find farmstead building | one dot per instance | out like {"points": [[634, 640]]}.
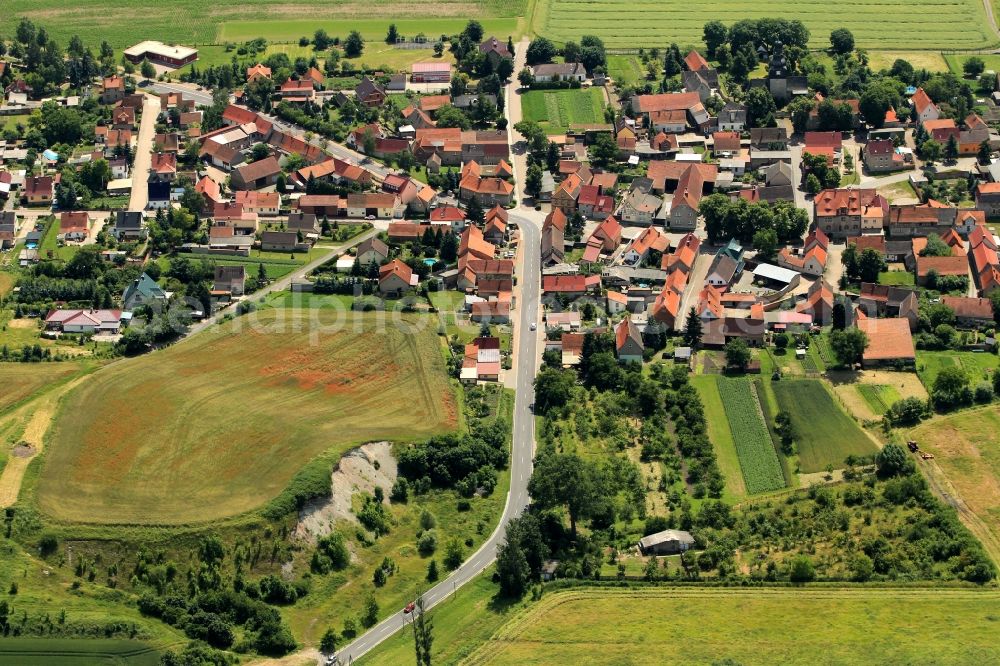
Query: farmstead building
{"points": [[161, 54]]}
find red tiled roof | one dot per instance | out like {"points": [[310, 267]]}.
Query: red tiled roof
{"points": [[888, 339]]}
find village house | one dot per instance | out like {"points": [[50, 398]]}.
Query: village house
{"points": [[988, 198], [370, 93], [229, 280], [38, 190], [307, 223], [844, 212], [87, 322], [372, 251], [628, 342], [129, 226], [726, 266], [926, 109], [395, 278], [886, 301], [569, 71], [112, 89], [143, 291], [74, 226], [283, 241], [553, 238], [481, 361]]}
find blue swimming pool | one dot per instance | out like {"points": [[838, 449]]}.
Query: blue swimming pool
{"points": [[429, 261]]}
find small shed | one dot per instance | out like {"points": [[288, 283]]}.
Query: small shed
{"points": [[549, 569], [667, 542]]}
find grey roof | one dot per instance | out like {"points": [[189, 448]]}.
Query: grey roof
{"points": [[664, 536], [766, 135], [301, 221], [127, 219], [694, 79], [724, 265], [776, 273], [559, 69]]}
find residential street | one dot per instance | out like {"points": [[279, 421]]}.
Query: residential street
{"points": [[143, 149], [526, 353]]}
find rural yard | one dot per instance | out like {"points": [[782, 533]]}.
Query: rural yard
{"points": [[219, 425]]}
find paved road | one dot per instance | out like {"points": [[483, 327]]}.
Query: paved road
{"points": [[526, 348], [143, 150]]}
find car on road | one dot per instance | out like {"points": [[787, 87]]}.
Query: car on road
{"points": [[409, 608], [534, 326]]}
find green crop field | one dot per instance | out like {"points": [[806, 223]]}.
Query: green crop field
{"points": [[847, 626], [556, 110], [825, 433], [76, 652], [758, 459], [131, 21], [879, 397], [218, 424], [719, 433], [929, 24], [977, 365]]}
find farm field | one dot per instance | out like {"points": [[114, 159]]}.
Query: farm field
{"points": [[933, 24], [826, 434], [22, 380], [880, 397], [720, 434], [758, 459], [932, 61], [967, 451], [556, 110], [977, 365], [203, 430], [206, 23], [74, 652], [743, 626]]}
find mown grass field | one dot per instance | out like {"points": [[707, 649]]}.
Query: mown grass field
{"points": [[769, 626], [720, 434], [880, 397], [23, 380], [461, 623], [556, 110], [218, 425], [76, 652], [931, 24], [897, 278], [758, 459], [966, 448], [131, 21], [957, 60], [978, 366], [825, 433], [626, 70]]}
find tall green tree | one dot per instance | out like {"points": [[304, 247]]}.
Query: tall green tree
{"points": [[692, 329], [565, 480], [423, 633]]}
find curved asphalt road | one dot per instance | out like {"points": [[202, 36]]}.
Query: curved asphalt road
{"points": [[522, 452]]}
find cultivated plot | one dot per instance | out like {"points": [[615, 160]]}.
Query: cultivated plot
{"points": [[556, 110], [750, 627], [758, 459], [933, 24], [218, 425], [825, 434]]}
